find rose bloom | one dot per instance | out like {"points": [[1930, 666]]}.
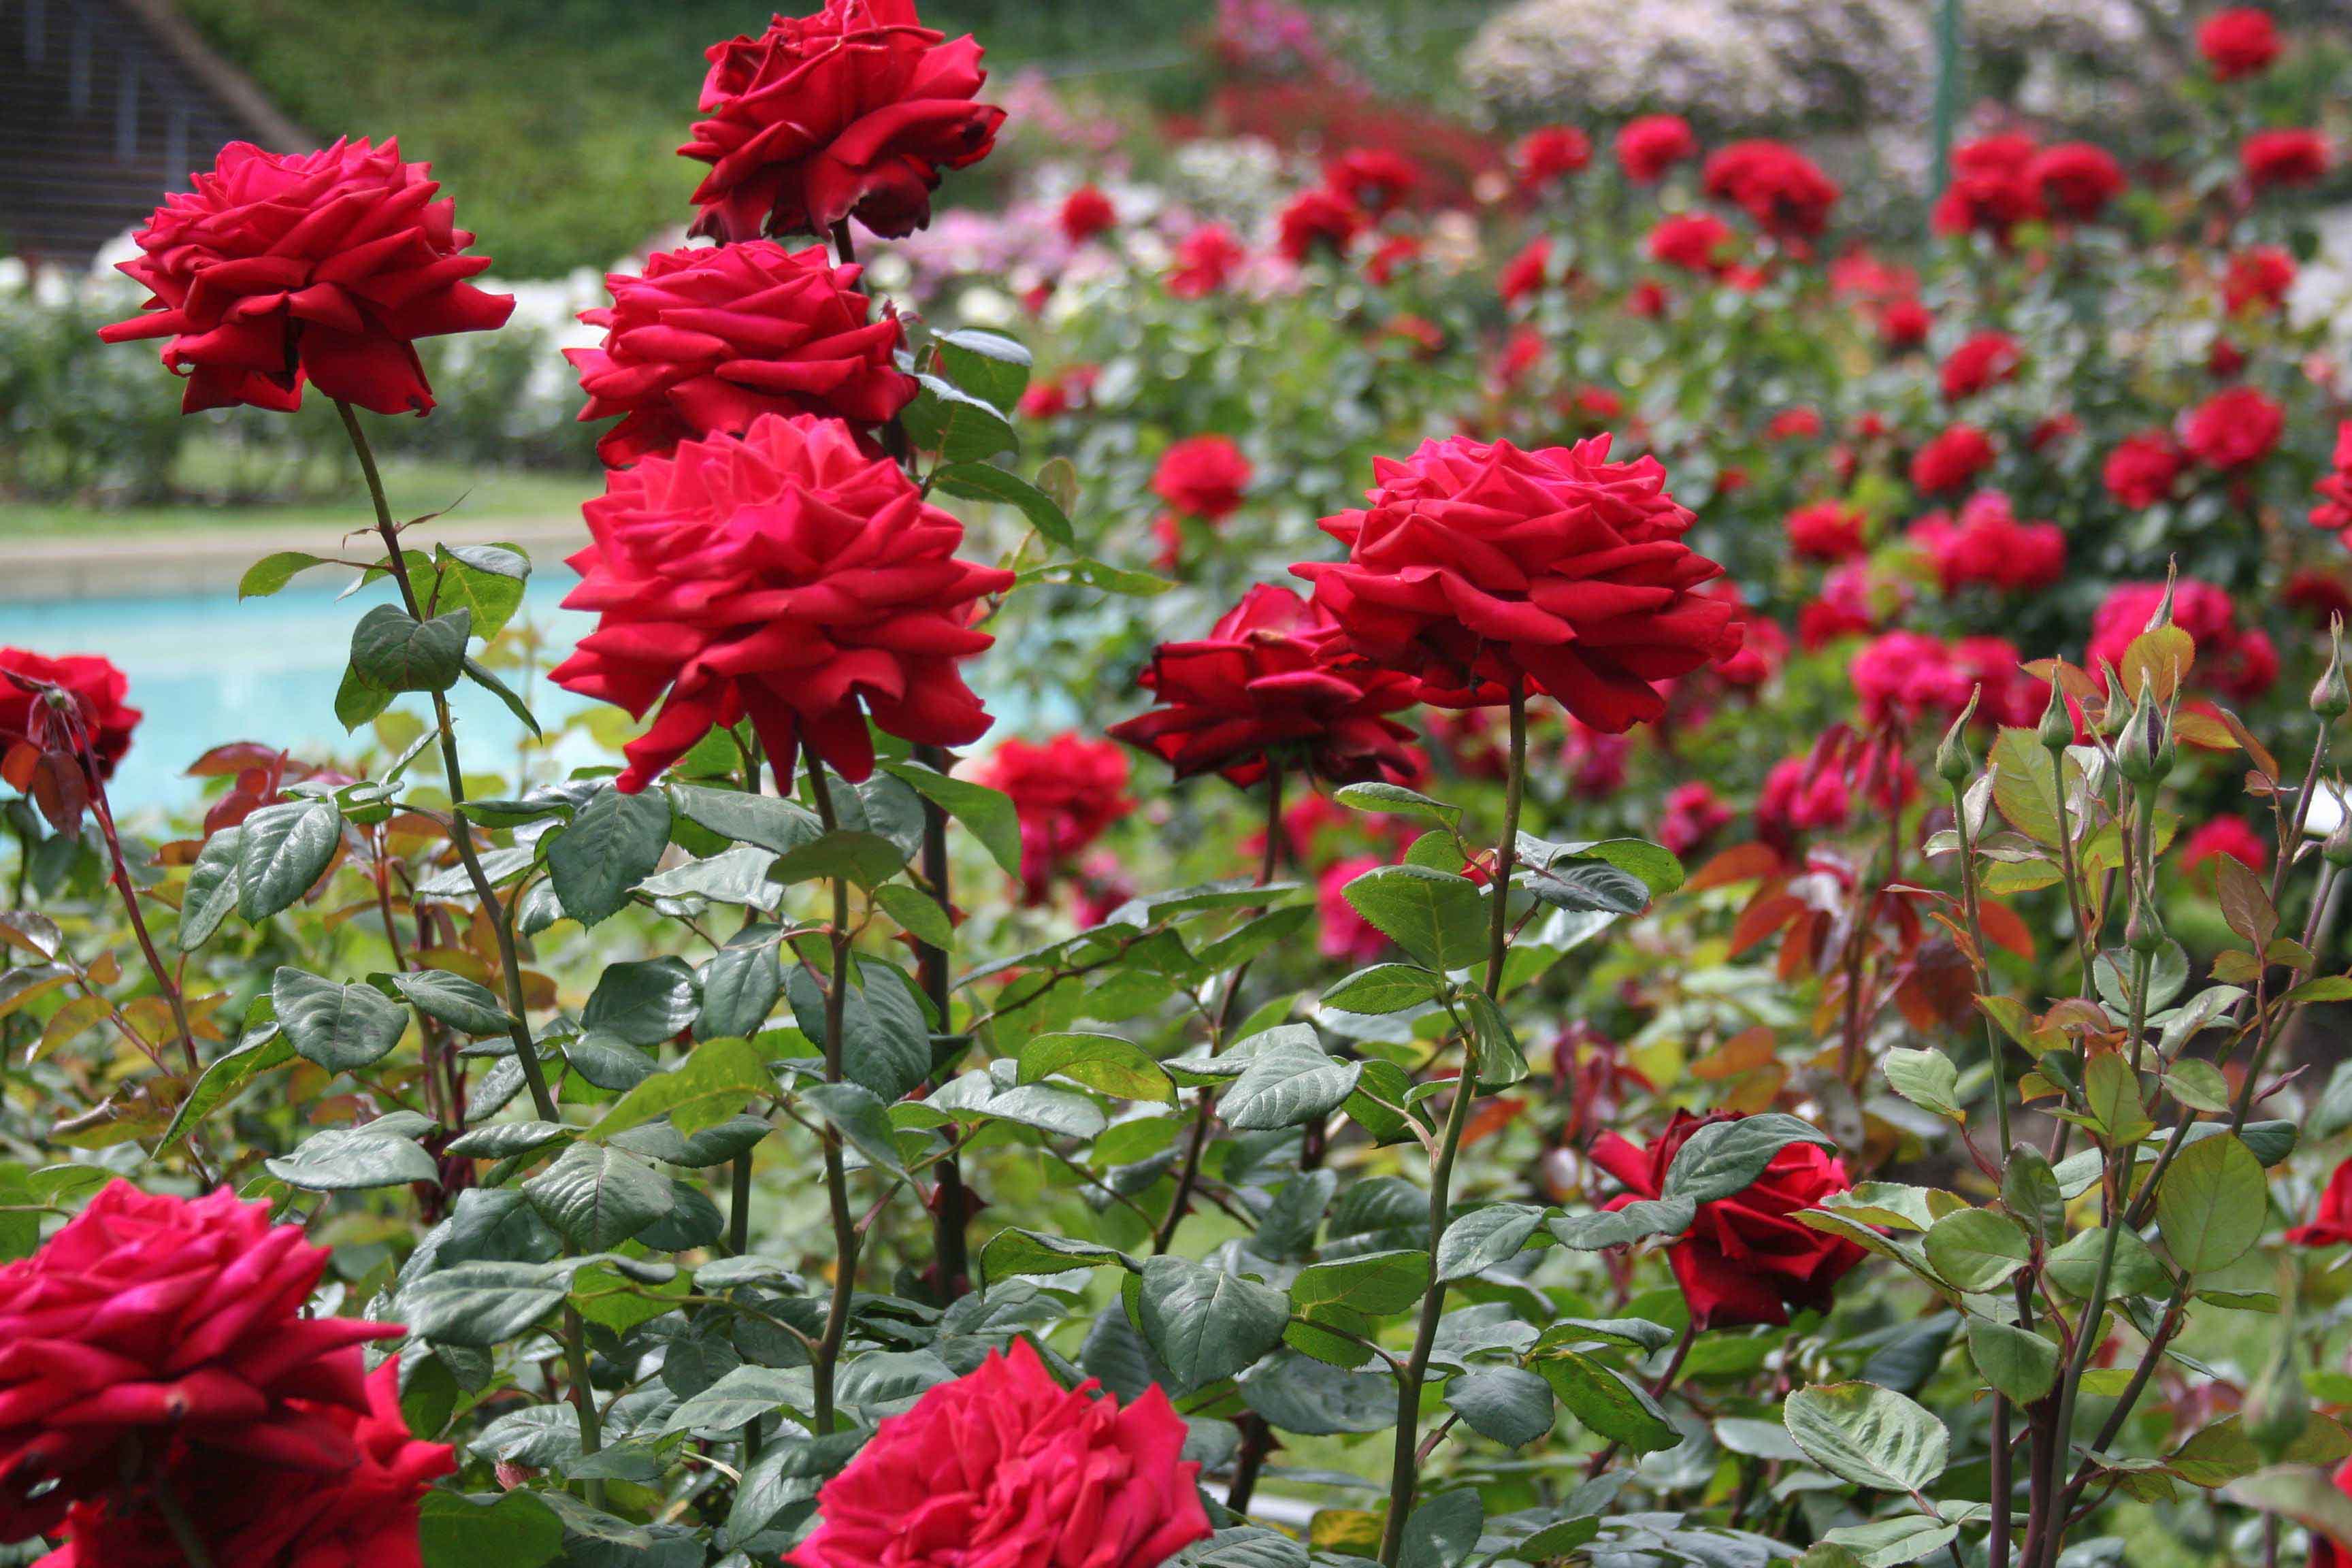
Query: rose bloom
{"points": [[1085, 213], [1347, 936], [1826, 530], [1396, 254], [2318, 596], [2076, 179], [1909, 680], [1763, 646], [1992, 189], [1745, 1260], [2325, 1553], [2238, 661], [853, 112], [1067, 791], [1647, 300], [1204, 477], [1527, 273], [1692, 814], [1782, 189], [712, 337], [1318, 219], [1697, 242], [2226, 836], [1523, 351], [1545, 154], [1206, 260], [2334, 512], [2258, 278], [2142, 468], [2331, 1227], [1989, 545], [2240, 42], [1801, 795], [2294, 157], [1481, 566], [2234, 429], [152, 1319], [782, 576], [1844, 607], [1905, 323], [102, 722], [1653, 143], [321, 267], [1594, 761], [1377, 179], [1799, 424], [1952, 460], [1985, 361], [1275, 679], [1059, 394], [1006, 1466], [362, 1515]]}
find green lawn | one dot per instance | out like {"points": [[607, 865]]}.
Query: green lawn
{"points": [[414, 489]]}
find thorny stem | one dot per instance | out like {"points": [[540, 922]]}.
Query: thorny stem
{"points": [[164, 980], [827, 1358]]}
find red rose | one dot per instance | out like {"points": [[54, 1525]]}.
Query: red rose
{"points": [[1058, 394], [1067, 792], [2318, 596], [1697, 242], [853, 112], [2225, 836], [782, 576], [100, 722], [1347, 936], [1905, 323], [1204, 477], [2325, 1553], [2142, 468], [1843, 608], [1527, 273], [1801, 795], [1777, 187], [2234, 429], [1992, 188], [2239, 42], [1397, 252], [1206, 260], [2334, 512], [1692, 814], [2258, 278], [1318, 219], [1648, 146], [323, 267], [1274, 677], [1825, 530], [1477, 566], [1085, 213], [2076, 179], [1545, 154], [2239, 662], [1744, 1259], [151, 1320], [2285, 158], [1910, 680], [2331, 1227], [1004, 1465], [1952, 460], [1984, 361], [1647, 300], [1798, 424], [363, 1515], [1989, 545], [712, 337], [1375, 178]]}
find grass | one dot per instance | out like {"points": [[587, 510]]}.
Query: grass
{"points": [[413, 487]]}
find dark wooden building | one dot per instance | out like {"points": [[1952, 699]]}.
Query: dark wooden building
{"points": [[104, 106]]}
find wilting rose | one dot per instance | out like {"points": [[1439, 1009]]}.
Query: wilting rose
{"points": [[322, 267], [2332, 1225], [2257, 279], [782, 576], [1650, 144], [1744, 1259], [2239, 662], [1477, 566], [1825, 530], [1066, 792], [97, 723], [1989, 545], [1549, 151], [1777, 187], [852, 112], [1697, 242], [1085, 213], [1992, 188], [151, 1317], [712, 337], [1275, 679], [2240, 42], [1951, 460], [1318, 220], [1006, 1466], [1206, 260], [2076, 179], [1984, 361], [2143, 467], [362, 1515], [2291, 157], [2334, 489], [1204, 477], [2234, 429]]}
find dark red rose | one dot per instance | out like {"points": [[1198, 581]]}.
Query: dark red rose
{"points": [[321, 266], [1376, 179], [2295, 157], [1275, 679], [2240, 42], [1085, 213], [2143, 467], [1004, 1465], [1992, 188], [2224, 360], [1204, 477], [1477, 566], [2258, 278], [1647, 300], [853, 112], [2076, 179], [1777, 187], [1527, 273], [95, 722], [1695, 241], [362, 1515], [2331, 1226], [1744, 1259], [1984, 361], [2234, 429], [149, 1321], [2334, 512], [712, 337], [1952, 460], [2318, 596], [1988, 546], [783, 576], [1648, 146], [1320, 219], [2239, 662], [1544, 154], [1206, 260], [1826, 530], [1067, 791]]}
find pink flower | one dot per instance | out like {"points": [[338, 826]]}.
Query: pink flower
{"points": [[1693, 814], [1993, 188], [2239, 662], [1697, 242], [2076, 179], [1206, 260], [1087, 212], [2292, 157], [1320, 219], [1777, 187], [2226, 836], [1527, 273], [1378, 179]]}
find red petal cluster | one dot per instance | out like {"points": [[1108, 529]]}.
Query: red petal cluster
{"points": [[102, 722], [1784, 191]]}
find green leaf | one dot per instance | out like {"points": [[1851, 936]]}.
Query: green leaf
{"points": [[1107, 1063], [1205, 1324], [1373, 1283], [1890, 1542], [886, 1042], [598, 1197], [1608, 1402], [1869, 1435], [983, 481], [1636, 1222], [341, 1027], [707, 1089], [1508, 1404], [510, 1529], [350, 1159], [1482, 1239], [1385, 988], [988, 813], [1014, 1251], [486, 580], [773, 825], [960, 427], [644, 1000], [272, 573], [743, 1397], [2020, 1364], [482, 675], [1439, 918], [480, 1304], [1395, 800], [212, 890], [986, 364], [1086, 573], [358, 699], [394, 651], [614, 843], [1443, 1530], [1290, 1083], [463, 1004], [1927, 1078], [917, 914], [1725, 1157], [223, 1075], [868, 860], [741, 985], [861, 1118], [281, 851], [2213, 1205], [2110, 1091], [1975, 1250]]}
